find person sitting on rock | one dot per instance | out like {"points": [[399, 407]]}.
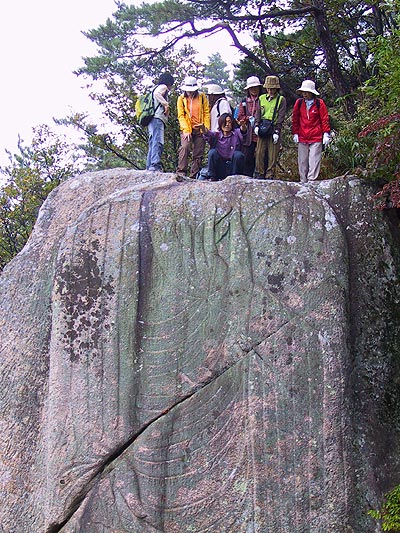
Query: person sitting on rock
{"points": [[225, 156]]}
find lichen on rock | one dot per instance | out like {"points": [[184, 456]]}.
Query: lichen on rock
{"points": [[192, 357]]}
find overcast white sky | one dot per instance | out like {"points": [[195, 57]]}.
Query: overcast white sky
{"points": [[41, 44]]}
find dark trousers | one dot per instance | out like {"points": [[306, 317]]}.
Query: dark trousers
{"points": [[219, 168], [249, 159]]}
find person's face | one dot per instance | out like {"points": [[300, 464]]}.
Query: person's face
{"points": [[307, 96], [190, 94], [227, 127], [254, 91], [271, 92]]}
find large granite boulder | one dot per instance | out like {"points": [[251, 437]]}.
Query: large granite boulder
{"points": [[200, 357]]}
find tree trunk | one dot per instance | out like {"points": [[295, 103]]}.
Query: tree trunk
{"points": [[331, 56]]}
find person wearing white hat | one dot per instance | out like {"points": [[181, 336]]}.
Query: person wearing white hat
{"points": [[218, 104], [248, 108], [193, 116], [310, 129]]}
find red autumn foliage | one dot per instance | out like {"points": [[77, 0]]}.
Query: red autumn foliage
{"points": [[379, 124], [385, 159], [389, 195]]}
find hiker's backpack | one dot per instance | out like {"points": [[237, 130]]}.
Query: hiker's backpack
{"points": [[145, 109], [235, 125], [218, 106]]}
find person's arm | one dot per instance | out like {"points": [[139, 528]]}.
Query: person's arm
{"points": [[296, 117], [280, 115], [210, 136], [242, 125], [206, 112], [242, 111], [159, 96], [324, 116], [183, 123]]}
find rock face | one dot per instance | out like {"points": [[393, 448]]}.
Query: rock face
{"points": [[199, 357]]}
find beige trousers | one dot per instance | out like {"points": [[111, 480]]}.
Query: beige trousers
{"points": [[309, 159]]}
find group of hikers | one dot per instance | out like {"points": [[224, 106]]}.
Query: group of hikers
{"points": [[246, 141]]}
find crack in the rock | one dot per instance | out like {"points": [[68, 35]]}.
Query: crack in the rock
{"points": [[145, 256], [113, 457], [253, 347], [75, 505], [219, 221]]}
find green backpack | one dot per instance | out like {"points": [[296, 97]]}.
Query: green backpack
{"points": [[145, 109]]}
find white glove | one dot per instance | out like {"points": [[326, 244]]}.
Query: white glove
{"points": [[275, 137], [256, 130], [326, 139], [295, 138]]}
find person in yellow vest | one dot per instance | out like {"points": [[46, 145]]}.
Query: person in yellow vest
{"points": [[193, 116], [268, 126]]}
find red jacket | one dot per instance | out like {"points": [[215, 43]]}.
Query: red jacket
{"points": [[310, 124]]}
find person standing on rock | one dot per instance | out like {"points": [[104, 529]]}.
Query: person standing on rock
{"points": [[157, 124], [193, 116], [310, 129], [272, 110], [248, 108], [218, 105]]}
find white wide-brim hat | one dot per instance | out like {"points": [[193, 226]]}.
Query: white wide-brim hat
{"points": [[190, 84], [213, 88], [253, 81], [308, 86]]}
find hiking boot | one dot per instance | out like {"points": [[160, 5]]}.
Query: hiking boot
{"points": [[204, 175], [181, 177]]}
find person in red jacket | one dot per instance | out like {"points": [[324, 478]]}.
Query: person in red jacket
{"points": [[310, 129]]}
